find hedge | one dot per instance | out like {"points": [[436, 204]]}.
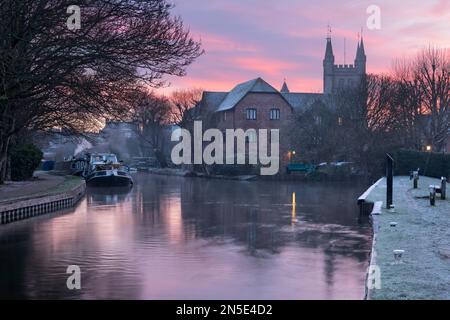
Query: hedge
{"points": [[431, 164], [235, 169], [25, 158]]}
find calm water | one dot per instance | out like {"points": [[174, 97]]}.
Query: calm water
{"points": [[188, 238]]}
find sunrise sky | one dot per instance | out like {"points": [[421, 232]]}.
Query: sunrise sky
{"points": [[244, 39]]}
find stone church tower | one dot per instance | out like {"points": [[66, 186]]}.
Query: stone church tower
{"points": [[337, 76]]}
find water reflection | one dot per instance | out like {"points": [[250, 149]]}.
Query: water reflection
{"points": [[171, 237]]}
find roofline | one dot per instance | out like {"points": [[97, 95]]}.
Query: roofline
{"points": [[277, 92]]}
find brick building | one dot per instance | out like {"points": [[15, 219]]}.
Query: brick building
{"points": [[255, 104]]}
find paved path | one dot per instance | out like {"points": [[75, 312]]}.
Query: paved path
{"points": [[19, 189], [423, 232]]}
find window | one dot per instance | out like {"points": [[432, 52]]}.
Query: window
{"points": [[251, 114], [274, 114], [224, 116], [340, 121], [318, 120]]}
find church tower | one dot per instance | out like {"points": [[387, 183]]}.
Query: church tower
{"points": [[341, 76]]}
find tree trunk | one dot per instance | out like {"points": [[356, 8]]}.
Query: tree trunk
{"points": [[161, 158], [8, 167], [4, 145]]}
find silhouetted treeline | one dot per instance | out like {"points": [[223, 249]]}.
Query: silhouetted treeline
{"points": [[408, 108], [56, 76]]}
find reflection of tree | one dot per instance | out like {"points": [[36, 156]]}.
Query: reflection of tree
{"points": [[330, 260], [12, 278], [258, 215]]}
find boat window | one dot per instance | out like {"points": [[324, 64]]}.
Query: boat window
{"points": [[111, 158], [105, 158]]}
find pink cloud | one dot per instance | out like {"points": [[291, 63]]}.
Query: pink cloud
{"points": [[286, 38], [441, 7], [216, 43], [263, 66]]}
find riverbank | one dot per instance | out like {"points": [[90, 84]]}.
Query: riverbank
{"points": [[296, 176], [422, 231], [46, 192], [187, 173]]}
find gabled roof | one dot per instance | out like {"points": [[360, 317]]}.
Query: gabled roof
{"points": [[239, 92], [302, 101], [212, 100], [221, 101]]}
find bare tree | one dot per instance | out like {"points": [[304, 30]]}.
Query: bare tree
{"points": [[422, 98], [432, 73], [183, 102], [407, 100], [357, 124], [152, 114], [51, 76], [383, 113]]}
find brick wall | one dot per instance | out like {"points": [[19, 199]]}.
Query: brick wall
{"points": [[263, 103]]}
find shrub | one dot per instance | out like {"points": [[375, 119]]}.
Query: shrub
{"points": [[235, 169], [431, 164], [25, 158], [334, 173]]}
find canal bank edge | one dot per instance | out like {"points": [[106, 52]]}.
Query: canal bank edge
{"points": [[63, 196], [362, 202]]}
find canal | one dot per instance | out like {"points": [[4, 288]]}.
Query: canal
{"points": [[192, 238]]}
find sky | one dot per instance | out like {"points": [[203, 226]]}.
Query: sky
{"points": [[285, 39]]}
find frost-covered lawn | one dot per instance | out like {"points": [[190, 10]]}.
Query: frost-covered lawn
{"points": [[423, 232]]}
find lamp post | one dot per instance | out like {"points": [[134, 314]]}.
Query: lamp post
{"points": [[389, 180]]}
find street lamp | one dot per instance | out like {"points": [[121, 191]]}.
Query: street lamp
{"points": [[428, 147]]}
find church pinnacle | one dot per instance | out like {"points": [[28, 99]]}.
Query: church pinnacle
{"points": [[284, 88], [329, 49]]}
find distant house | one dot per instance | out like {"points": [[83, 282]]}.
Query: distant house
{"points": [[124, 138], [122, 128], [121, 138], [255, 104]]}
